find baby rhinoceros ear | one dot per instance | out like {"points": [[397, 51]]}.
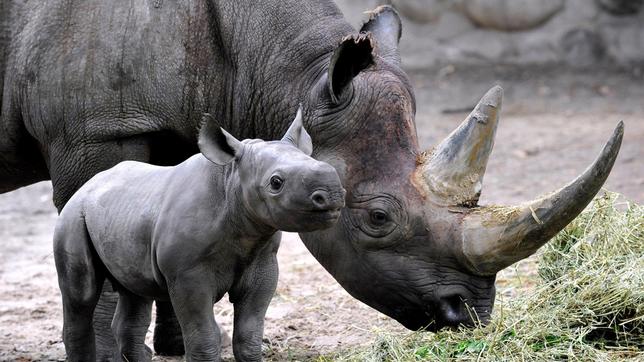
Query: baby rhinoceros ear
{"points": [[216, 144], [297, 135]]}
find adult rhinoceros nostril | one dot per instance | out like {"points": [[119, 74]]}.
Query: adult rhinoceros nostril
{"points": [[454, 311]]}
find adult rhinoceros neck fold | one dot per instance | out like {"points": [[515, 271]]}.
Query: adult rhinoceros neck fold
{"points": [[454, 171], [272, 64], [496, 237]]}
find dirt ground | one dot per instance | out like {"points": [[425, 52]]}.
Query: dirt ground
{"points": [[553, 125]]}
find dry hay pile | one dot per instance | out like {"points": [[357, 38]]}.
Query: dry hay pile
{"points": [[588, 304]]}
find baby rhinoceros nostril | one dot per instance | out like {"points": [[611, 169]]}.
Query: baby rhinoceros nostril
{"points": [[320, 199]]}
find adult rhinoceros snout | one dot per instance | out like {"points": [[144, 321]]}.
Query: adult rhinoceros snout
{"points": [[454, 312], [446, 311]]}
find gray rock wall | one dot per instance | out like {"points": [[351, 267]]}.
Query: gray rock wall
{"points": [[579, 33]]}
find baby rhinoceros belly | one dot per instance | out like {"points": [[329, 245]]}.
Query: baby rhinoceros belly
{"points": [[130, 262]]}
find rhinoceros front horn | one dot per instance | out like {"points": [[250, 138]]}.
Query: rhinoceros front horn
{"points": [[495, 237], [454, 171]]}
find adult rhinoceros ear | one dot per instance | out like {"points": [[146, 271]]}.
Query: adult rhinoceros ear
{"points": [[385, 26], [216, 144], [297, 135], [354, 54]]}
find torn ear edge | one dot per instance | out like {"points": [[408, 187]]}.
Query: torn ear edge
{"points": [[386, 27], [353, 55], [377, 14]]}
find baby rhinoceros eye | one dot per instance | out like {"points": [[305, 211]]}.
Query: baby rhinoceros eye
{"points": [[276, 183]]}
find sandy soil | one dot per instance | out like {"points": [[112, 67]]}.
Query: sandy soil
{"points": [[553, 125]]}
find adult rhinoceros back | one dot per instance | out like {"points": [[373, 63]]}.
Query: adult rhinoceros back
{"points": [[88, 84]]}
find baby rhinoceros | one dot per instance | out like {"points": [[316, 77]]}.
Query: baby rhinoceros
{"points": [[190, 233]]}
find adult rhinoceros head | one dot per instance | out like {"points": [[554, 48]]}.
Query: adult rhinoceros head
{"points": [[412, 241]]}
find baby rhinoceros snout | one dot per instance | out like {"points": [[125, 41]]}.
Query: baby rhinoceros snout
{"points": [[323, 200], [328, 193], [316, 200], [320, 200]]}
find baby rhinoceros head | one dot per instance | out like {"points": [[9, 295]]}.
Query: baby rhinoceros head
{"points": [[281, 185]]}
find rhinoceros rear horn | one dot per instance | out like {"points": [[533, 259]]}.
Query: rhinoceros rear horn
{"points": [[354, 54], [297, 135], [386, 27], [454, 170]]}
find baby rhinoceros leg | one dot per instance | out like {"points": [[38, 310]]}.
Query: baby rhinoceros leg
{"points": [[130, 324], [251, 296], [193, 304], [80, 277]]}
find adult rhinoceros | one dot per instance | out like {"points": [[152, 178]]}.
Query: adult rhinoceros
{"points": [[88, 84]]}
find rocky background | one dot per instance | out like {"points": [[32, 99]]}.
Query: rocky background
{"points": [[577, 33]]}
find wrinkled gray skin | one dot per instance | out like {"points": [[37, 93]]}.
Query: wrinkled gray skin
{"points": [[90, 84], [189, 233]]}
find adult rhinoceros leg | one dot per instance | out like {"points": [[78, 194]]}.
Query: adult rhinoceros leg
{"points": [[168, 340], [21, 162]]}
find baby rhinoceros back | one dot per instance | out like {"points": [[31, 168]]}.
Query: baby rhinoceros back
{"points": [[190, 233]]}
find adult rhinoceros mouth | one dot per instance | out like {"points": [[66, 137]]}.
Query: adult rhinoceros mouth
{"points": [[432, 320], [424, 320]]}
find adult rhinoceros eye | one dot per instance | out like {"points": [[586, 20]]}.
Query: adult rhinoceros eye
{"points": [[378, 217], [276, 183]]}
